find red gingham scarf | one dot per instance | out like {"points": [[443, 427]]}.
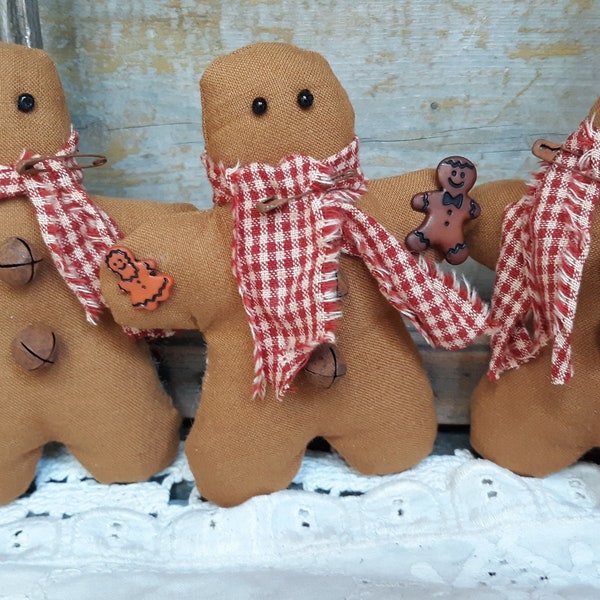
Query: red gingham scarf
{"points": [[286, 262], [77, 232], [545, 242]]}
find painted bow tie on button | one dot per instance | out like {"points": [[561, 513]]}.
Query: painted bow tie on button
{"points": [[285, 260], [449, 200]]}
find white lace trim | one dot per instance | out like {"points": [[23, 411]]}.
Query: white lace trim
{"points": [[452, 520]]}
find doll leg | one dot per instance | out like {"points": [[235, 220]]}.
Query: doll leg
{"points": [[120, 424], [22, 438], [524, 423], [18, 462], [382, 417], [240, 447], [458, 254], [393, 424], [126, 444], [255, 452], [391, 445]]}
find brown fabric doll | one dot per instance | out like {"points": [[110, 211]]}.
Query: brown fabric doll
{"points": [[282, 157], [537, 412], [68, 373]]}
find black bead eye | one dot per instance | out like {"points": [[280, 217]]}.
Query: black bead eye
{"points": [[259, 106], [25, 103], [305, 99]]}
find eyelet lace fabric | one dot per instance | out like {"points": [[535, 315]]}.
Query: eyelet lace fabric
{"points": [[451, 523]]}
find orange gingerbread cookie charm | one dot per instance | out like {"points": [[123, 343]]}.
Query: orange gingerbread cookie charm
{"points": [[139, 278], [447, 211]]}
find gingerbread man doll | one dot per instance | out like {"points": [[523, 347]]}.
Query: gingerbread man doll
{"points": [[292, 212], [68, 373], [536, 412]]}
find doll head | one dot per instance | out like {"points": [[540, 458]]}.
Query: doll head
{"points": [[256, 114], [121, 264], [33, 108]]}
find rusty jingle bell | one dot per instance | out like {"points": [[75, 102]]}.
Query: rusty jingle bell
{"points": [[34, 347], [18, 263]]}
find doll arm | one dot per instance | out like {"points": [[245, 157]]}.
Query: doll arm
{"points": [[389, 200], [194, 248], [483, 235], [129, 214], [420, 202], [161, 242], [151, 264], [474, 209]]}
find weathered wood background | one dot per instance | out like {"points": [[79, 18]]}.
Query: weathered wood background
{"points": [[427, 79]]}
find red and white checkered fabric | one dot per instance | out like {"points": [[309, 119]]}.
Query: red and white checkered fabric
{"points": [[286, 262], [76, 231], [445, 313], [545, 242]]}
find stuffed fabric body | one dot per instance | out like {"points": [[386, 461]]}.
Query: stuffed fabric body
{"points": [[522, 420], [99, 394], [260, 104]]}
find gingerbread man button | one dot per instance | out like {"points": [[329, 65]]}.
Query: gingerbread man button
{"points": [[139, 278], [447, 211]]}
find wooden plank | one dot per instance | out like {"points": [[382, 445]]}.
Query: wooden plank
{"points": [[453, 377], [20, 23], [181, 362]]}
